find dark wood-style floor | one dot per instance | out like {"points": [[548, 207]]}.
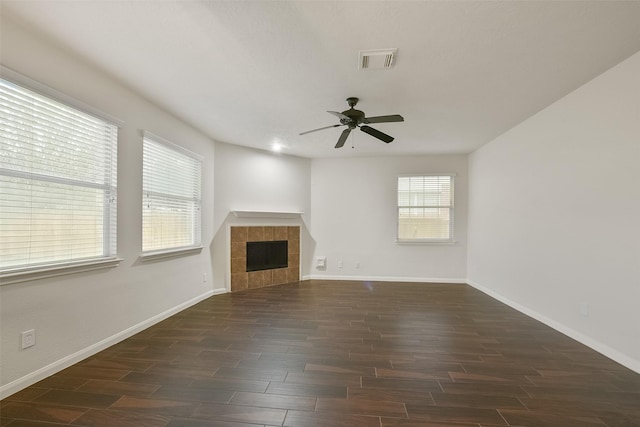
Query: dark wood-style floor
{"points": [[336, 354]]}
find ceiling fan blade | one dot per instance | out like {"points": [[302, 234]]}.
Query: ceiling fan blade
{"points": [[314, 130], [343, 138], [384, 119], [339, 115], [376, 134]]}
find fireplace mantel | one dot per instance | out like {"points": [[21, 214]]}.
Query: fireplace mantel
{"points": [[266, 214]]}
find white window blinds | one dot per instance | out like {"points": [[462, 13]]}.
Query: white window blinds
{"points": [[171, 200], [57, 182], [425, 208]]}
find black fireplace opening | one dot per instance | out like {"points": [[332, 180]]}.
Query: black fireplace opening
{"points": [[267, 255]]}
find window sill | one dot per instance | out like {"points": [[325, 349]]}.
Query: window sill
{"points": [[426, 242], [150, 256], [42, 272]]}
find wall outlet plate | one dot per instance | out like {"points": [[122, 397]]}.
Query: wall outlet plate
{"points": [[584, 309], [28, 338]]}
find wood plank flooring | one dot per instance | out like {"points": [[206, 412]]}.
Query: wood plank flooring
{"points": [[328, 353]]}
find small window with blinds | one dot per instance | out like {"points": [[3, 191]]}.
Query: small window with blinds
{"points": [[425, 208], [57, 183], [171, 199]]}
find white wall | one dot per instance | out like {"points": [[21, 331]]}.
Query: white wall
{"points": [[354, 219], [554, 208], [253, 180], [555, 214], [72, 314]]}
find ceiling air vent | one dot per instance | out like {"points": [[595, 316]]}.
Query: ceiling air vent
{"points": [[377, 59]]}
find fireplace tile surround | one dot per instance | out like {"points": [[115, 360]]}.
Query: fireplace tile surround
{"points": [[240, 235]]}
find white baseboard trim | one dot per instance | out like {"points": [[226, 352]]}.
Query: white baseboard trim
{"points": [[601, 348], [46, 371], [386, 279]]}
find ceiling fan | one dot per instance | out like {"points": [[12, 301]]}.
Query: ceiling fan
{"points": [[353, 118]]}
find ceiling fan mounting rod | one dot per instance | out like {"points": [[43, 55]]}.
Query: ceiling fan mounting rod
{"points": [[352, 101]]}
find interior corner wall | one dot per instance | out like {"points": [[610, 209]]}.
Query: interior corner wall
{"points": [[554, 215], [256, 180], [354, 220], [77, 314]]}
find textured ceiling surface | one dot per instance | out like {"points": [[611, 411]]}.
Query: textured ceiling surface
{"points": [[257, 72]]}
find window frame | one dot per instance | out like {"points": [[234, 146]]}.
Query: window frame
{"points": [[451, 207], [167, 252], [109, 258]]}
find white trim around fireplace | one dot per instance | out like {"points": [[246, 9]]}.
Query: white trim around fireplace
{"points": [[266, 214]]}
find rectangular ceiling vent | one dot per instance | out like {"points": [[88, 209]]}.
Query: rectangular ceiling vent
{"points": [[377, 59]]}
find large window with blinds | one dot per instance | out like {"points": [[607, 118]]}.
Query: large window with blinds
{"points": [[425, 208], [57, 183], [171, 199]]}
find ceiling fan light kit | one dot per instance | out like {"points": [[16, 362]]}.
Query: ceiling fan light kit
{"points": [[353, 118]]}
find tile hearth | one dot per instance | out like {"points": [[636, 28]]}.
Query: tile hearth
{"points": [[241, 279]]}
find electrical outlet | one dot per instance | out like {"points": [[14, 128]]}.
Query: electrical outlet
{"points": [[584, 309], [357, 265], [28, 338], [204, 277], [340, 264]]}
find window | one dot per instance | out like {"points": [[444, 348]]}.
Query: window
{"points": [[57, 183], [171, 200], [425, 208]]}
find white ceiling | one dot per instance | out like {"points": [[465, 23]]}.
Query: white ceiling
{"points": [[254, 72]]}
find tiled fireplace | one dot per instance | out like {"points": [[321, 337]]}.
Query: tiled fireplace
{"points": [[241, 279]]}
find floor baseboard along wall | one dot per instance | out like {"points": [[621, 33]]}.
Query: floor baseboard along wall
{"points": [[65, 362], [601, 348], [387, 279]]}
